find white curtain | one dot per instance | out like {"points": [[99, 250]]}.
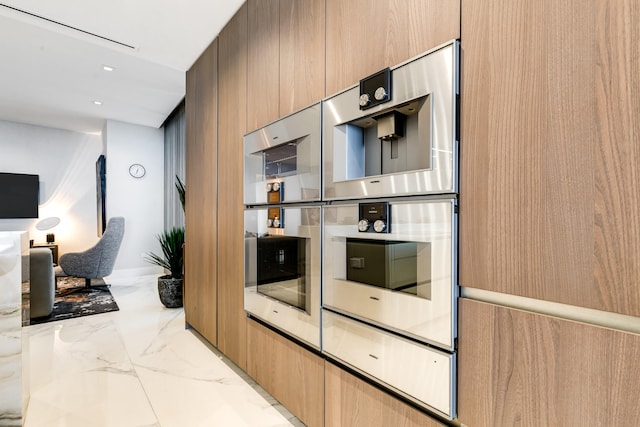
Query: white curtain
{"points": [[174, 165]]}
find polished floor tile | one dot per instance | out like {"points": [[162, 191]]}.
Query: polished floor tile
{"points": [[137, 367]]}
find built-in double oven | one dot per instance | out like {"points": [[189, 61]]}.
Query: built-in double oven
{"points": [[351, 227], [282, 223]]}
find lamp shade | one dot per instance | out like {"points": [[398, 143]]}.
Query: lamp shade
{"points": [[47, 223]]}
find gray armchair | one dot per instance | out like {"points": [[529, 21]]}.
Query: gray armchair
{"points": [[97, 261]]}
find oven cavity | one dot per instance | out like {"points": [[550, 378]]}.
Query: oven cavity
{"points": [[392, 141]]}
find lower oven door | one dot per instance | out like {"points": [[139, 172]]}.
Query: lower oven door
{"points": [[282, 270], [403, 280]]}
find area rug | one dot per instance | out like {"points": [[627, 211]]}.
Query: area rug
{"points": [[73, 299]]}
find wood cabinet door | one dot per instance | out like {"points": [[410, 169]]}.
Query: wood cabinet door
{"points": [[232, 113], [550, 182], [200, 211], [365, 36], [263, 68], [287, 371], [301, 54], [521, 368], [350, 401]]}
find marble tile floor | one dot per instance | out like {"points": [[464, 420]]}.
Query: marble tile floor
{"points": [[137, 367]]}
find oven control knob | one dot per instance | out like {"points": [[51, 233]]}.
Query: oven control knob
{"points": [[269, 187], [269, 222], [276, 222], [363, 225], [275, 186], [379, 226], [365, 99], [380, 93]]}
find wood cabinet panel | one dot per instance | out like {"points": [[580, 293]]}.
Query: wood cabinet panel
{"points": [[290, 373], [301, 54], [550, 186], [521, 368], [349, 401], [232, 113], [201, 207], [365, 36], [263, 66]]}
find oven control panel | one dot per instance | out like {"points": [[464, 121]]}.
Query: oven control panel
{"points": [[275, 192], [275, 218], [375, 89], [374, 217]]}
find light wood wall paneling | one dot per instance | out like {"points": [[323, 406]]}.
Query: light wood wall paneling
{"points": [[290, 373], [349, 401], [521, 368], [200, 219], [232, 113], [365, 36], [550, 183], [301, 54], [263, 66]]}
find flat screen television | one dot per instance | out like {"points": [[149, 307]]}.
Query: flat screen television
{"points": [[19, 195]]}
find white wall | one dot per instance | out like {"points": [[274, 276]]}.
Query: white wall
{"points": [[65, 161], [140, 201]]}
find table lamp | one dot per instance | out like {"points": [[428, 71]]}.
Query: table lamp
{"points": [[47, 224]]}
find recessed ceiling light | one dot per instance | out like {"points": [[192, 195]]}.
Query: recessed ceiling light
{"points": [[108, 68], [97, 102]]}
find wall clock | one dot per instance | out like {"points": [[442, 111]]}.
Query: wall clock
{"points": [[136, 170]]}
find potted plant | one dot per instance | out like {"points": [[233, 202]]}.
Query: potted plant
{"points": [[170, 285]]}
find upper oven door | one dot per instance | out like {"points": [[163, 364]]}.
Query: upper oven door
{"points": [[406, 146], [282, 270], [286, 152], [403, 280]]}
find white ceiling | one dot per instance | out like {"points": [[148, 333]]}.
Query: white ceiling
{"points": [[50, 74]]}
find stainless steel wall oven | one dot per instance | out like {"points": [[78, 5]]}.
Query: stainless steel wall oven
{"points": [[282, 270], [402, 280], [282, 160]]}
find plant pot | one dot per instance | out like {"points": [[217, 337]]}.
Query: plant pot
{"points": [[170, 291]]}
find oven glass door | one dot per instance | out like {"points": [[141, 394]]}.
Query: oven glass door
{"points": [[282, 270], [404, 280]]}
